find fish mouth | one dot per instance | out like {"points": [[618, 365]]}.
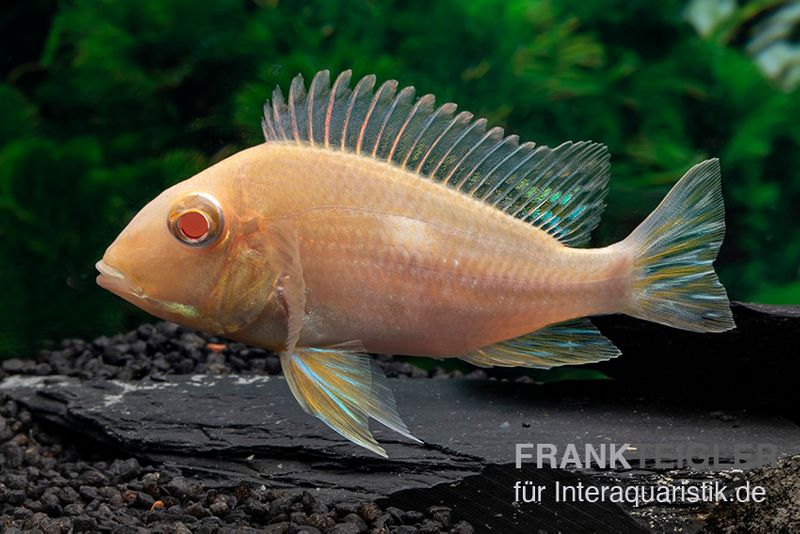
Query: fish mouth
{"points": [[112, 279]]}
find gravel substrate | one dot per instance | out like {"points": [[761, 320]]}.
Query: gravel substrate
{"points": [[779, 512], [154, 350], [53, 483]]}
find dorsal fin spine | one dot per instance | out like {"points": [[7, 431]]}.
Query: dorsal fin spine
{"points": [[555, 157], [583, 156], [266, 123], [588, 155], [378, 116], [329, 109], [443, 109], [499, 181], [296, 91], [407, 92], [342, 81], [487, 135], [466, 155], [552, 160], [423, 101], [477, 124], [512, 139], [277, 102], [312, 92], [464, 116], [369, 83], [510, 187], [385, 86]]}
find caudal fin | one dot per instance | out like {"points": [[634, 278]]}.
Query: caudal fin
{"points": [[674, 282]]}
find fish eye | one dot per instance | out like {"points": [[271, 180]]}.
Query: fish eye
{"points": [[196, 220], [193, 225]]}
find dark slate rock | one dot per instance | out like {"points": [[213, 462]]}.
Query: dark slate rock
{"points": [[752, 366], [212, 425], [196, 413]]}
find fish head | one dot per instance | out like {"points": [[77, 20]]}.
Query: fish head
{"points": [[192, 256]]}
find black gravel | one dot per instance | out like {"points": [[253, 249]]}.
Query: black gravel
{"points": [[779, 512], [154, 350], [54, 483]]}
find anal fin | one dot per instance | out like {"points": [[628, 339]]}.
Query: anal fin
{"points": [[570, 343], [343, 389]]}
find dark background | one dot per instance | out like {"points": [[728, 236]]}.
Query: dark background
{"points": [[103, 104]]}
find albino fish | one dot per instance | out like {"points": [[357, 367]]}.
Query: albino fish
{"points": [[374, 222]]}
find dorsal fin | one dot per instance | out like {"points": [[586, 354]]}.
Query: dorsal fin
{"points": [[560, 190]]}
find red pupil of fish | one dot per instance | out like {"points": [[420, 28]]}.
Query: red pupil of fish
{"points": [[193, 225]]}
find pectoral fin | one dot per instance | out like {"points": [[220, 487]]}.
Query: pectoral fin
{"points": [[343, 389], [290, 288], [569, 343], [340, 386]]}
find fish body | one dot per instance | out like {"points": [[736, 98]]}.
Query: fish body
{"points": [[412, 267], [370, 222]]}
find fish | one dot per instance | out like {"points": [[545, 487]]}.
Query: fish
{"points": [[374, 222]]}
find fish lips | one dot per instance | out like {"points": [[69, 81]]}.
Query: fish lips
{"points": [[115, 281]]}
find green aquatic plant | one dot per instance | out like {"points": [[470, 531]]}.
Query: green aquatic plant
{"points": [[103, 104]]}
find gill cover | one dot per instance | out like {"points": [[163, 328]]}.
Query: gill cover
{"points": [[261, 276]]}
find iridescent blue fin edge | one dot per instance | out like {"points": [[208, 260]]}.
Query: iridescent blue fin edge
{"points": [[570, 343]]}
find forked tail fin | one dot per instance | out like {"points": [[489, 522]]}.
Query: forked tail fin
{"points": [[674, 282]]}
